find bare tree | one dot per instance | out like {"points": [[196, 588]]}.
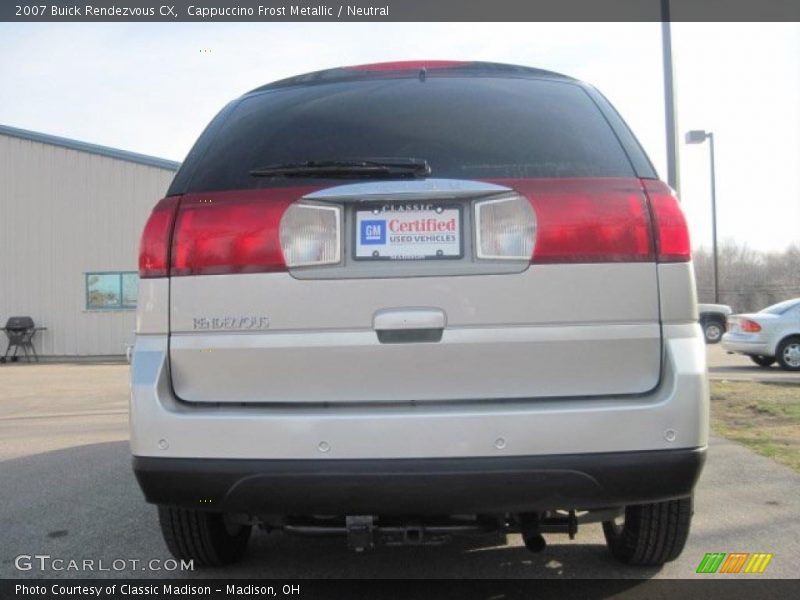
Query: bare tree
{"points": [[749, 279]]}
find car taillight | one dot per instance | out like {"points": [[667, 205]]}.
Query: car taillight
{"points": [[310, 234], [749, 326], [672, 234], [505, 228], [244, 232], [588, 220], [154, 243], [227, 233]]}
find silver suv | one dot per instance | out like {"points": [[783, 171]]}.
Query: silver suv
{"points": [[397, 302]]}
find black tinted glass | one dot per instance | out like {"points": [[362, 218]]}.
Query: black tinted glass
{"points": [[465, 127]]}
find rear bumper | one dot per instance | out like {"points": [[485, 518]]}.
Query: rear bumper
{"points": [[440, 486], [746, 344]]}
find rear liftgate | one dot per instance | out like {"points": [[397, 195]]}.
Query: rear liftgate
{"points": [[414, 291]]}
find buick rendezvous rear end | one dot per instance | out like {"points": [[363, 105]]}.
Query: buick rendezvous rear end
{"points": [[401, 301]]}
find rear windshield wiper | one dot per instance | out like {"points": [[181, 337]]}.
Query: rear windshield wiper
{"points": [[354, 168]]}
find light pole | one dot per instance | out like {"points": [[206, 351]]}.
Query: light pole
{"points": [[673, 171], [698, 136]]}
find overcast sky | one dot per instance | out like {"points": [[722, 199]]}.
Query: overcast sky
{"points": [[151, 88]]}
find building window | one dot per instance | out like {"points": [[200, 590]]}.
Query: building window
{"points": [[111, 290]]}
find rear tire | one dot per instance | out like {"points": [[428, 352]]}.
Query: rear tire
{"points": [[207, 538], [788, 354], [713, 330], [651, 534], [762, 361]]}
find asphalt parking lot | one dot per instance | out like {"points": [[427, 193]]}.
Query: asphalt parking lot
{"points": [[737, 367], [68, 491]]}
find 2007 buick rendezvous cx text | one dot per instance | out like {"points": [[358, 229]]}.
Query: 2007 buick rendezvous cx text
{"points": [[476, 312]]}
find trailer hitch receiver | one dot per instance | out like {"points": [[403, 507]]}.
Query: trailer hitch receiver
{"points": [[360, 532]]}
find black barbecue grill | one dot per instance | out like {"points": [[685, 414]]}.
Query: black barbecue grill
{"points": [[20, 332]]}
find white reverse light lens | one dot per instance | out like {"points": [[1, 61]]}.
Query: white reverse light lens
{"points": [[311, 235], [505, 228]]}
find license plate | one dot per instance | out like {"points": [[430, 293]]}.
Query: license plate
{"points": [[408, 232]]}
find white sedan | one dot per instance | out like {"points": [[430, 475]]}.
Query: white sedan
{"points": [[770, 335]]}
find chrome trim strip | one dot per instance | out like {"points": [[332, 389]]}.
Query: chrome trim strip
{"points": [[428, 188]]}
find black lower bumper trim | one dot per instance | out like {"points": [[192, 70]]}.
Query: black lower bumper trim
{"points": [[433, 486]]}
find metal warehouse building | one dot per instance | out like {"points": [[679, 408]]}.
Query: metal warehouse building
{"points": [[70, 218]]}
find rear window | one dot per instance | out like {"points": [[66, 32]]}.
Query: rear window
{"points": [[465, 127], [781, 307]]}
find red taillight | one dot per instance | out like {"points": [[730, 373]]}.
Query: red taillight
{"points": [[749, 326], [588, 220], [154, 244], [231, 232], [605, 220], [672, 233], [408, 65], [577, 220]]}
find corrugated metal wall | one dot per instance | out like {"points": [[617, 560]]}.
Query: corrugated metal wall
{"points": [[63, 213]]}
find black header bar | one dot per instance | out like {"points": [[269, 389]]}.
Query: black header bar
{"points": [[397, 10], [403, 589]]}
